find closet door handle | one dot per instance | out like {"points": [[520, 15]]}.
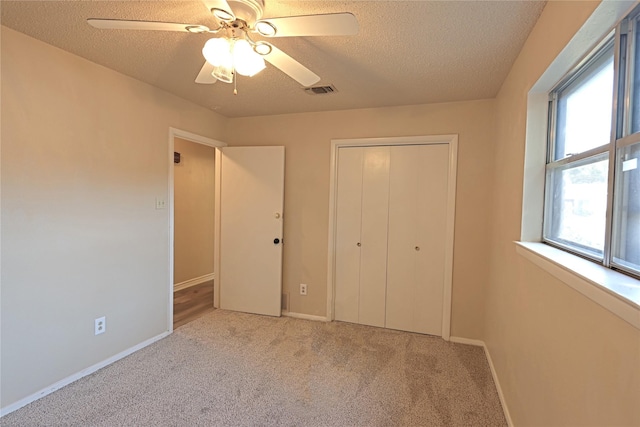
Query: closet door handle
{"points": [[358, 244], [417, 248]]}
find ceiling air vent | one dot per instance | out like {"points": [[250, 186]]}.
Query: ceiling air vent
{"points": [[320, 90]]}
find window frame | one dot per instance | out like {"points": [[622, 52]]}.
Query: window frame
{"points": [[623, 41]]}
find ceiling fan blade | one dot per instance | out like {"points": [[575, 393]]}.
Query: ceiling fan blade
{"points": [[204, 76], [291, 67], [332, 24], [220, 5], [119, 24]]}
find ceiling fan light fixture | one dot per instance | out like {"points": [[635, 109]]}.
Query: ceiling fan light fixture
{"points": [[266, 29], [245, 61], [262, 48], [223, 15]]}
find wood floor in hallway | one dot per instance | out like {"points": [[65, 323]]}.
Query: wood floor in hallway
{"points": [[192, 303]]}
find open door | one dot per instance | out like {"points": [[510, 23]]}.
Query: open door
{"points": [[251, 204]]}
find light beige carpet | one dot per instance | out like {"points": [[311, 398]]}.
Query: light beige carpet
{"points": [[238, 369]]}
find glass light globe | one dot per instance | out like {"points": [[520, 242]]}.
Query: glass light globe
{"points": [[245, 60], [217, 51], [224, 73]]}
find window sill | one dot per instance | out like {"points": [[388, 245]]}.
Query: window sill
{"points": [[618, 293]]}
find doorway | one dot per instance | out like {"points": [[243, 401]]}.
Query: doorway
{"points": [[254, 199], [193, 209]]}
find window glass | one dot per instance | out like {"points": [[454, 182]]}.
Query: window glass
{"points": [[576, 205], [626, 230], [584, 109]]}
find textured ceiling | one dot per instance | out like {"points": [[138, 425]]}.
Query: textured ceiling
{"points": [[407, 52]]}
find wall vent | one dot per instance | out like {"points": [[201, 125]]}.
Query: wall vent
{"points": [[320, 90]]}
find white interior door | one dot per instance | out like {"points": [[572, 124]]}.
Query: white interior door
{"points": [[251, 223]]}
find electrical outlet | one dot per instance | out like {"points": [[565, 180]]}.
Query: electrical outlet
{"points": [[303, 289], [161, 203], [100, 325]]}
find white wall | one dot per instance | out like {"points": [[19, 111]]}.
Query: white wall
{"points": [[561, 358], [307, 138], [84, 156]]}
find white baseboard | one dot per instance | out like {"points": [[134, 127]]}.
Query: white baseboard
{"points": [[505, 408], [468, 341], [90, 370], [305, 316], [193, 282], [482, 344]]}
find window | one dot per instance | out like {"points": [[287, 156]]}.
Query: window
{"points": [[592, 185]]}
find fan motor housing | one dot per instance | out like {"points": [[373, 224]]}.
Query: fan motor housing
{"points": [[248, 10]]}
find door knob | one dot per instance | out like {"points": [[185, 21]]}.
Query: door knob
{"points": [[276, 241], [417, 248], [277, 215], [358, 244]]}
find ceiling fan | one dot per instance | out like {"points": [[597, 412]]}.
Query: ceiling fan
{"points": [[232, 50]]}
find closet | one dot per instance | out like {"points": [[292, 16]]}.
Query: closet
{"points": [[390, 242]]}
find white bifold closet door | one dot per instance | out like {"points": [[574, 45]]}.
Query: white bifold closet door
{"points": [[417, 240], [361, 244], [390, 236]]}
